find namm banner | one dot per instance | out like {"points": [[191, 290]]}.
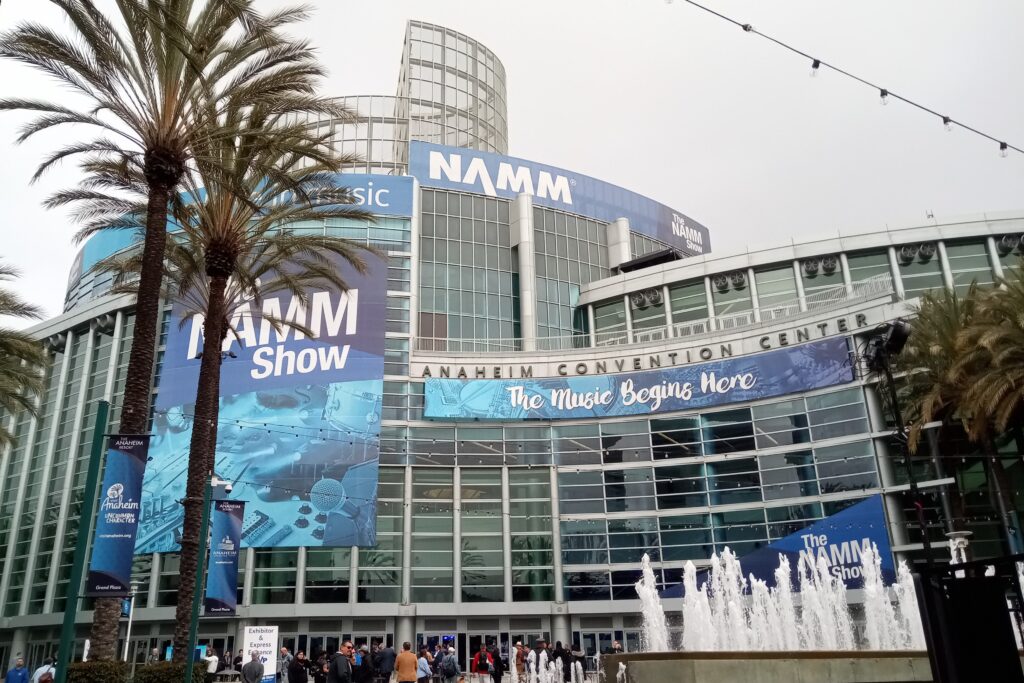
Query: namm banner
{"points": [[787, 370], [113, 545], [299, 426], [222, 572]]}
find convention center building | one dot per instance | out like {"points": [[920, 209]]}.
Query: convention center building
{"points": [[573, 376]]}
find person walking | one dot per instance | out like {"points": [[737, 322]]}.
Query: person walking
{"points": [[519, 663], [319, 669], [386, 663], [497, 663], [286, 659], [450, 670], [212, 662], [340, 670], [19, 674], [252, 672], [46, 670], [153, 657], [298, 668], [482, 664], [579, 663], [423, 669], [406, 665], [363, 672]]}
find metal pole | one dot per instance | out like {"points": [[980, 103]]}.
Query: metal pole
{"points": [[128, 631], [85, 521], [904, 451], [197, 594]]}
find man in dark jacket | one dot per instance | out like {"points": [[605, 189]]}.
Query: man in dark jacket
{"points": [[340, 670], [499, 666], [363, 672], [252, 672], [385, 662]]}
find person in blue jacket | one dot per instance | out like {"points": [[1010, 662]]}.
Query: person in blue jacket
{"points": [[19, 674]]}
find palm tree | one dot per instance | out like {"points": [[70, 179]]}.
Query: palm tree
{"points": [[230, 251], [22, 358], [150, 81], [995, 387]]}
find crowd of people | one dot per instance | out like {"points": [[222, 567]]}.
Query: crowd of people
{"points": [[380, 663]]}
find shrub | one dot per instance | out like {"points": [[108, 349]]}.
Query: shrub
{"points": [[98, 672], [167, 672]]}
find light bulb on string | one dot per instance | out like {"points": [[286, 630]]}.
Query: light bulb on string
{"points": [[884, 96], [947, 123], [814, 67], [1004, 150]]}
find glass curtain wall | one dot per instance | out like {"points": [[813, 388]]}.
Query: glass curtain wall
{"points": [[468, 270], [570, 252]]}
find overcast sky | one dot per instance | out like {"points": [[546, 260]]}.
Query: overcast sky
{"points": [[673, 103]]}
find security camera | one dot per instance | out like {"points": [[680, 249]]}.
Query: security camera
{"points": [[228, 487]]}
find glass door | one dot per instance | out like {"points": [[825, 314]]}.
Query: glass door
{"points": [[474, 641]]}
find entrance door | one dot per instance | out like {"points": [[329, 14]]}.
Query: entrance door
{"points": [[474, 641], [322, 645]]}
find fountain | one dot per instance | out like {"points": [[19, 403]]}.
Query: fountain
{"points": [[732, 613]]}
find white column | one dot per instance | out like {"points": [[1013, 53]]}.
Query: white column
{"points": [[556, 537], [300, 576], [883, 460], [457, 535], [668, 311], [153, 590], [844, 263], [414, 267], [754, 303], [710, 300], [44, 483], [897, 281], [947, 272], [618, 243], [353, 576], [629, 319], [590, 322], [993, 256], [523, 238], [506, 534], [800, 294], [69, 470], [250, 575], [407, 537]]}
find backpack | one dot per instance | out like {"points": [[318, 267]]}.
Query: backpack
{"points": [[450, 666], [46, 676]]}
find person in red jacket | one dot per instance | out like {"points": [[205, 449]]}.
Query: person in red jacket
{"points": [[482, 664]]}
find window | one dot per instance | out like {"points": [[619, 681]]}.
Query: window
{"points": [[839, 413], [689, 302], [776, 287], [848, 467], [969, 262]]}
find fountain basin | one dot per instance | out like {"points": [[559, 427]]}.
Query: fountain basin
{"points": [[839, 666]]}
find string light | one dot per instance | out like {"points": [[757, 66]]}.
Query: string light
{"points": [[885, 94], [947, 123]]}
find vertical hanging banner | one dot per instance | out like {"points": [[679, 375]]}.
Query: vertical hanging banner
{"points": [[222, 574], [113, 545]]}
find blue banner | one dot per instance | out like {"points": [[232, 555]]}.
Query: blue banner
{"points": [[839, 539], [456, 168], [113, 545], [222, 571], [788, 370], [299, 426]]}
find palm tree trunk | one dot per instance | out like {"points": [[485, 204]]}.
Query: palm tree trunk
{"points": [[202, 450], [138, 384]]}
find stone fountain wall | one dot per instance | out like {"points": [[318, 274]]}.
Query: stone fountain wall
{"points": [[770, 667]]}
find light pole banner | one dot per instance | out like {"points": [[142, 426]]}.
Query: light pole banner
{"points": [[263, 641], [225, 539], [113, 545]]}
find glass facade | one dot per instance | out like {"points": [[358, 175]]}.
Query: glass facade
{"points": [[454, 89], [468, 269]]}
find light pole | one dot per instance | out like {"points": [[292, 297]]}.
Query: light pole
{"points": [[197, 590], [131, 616], [880, 350]]}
